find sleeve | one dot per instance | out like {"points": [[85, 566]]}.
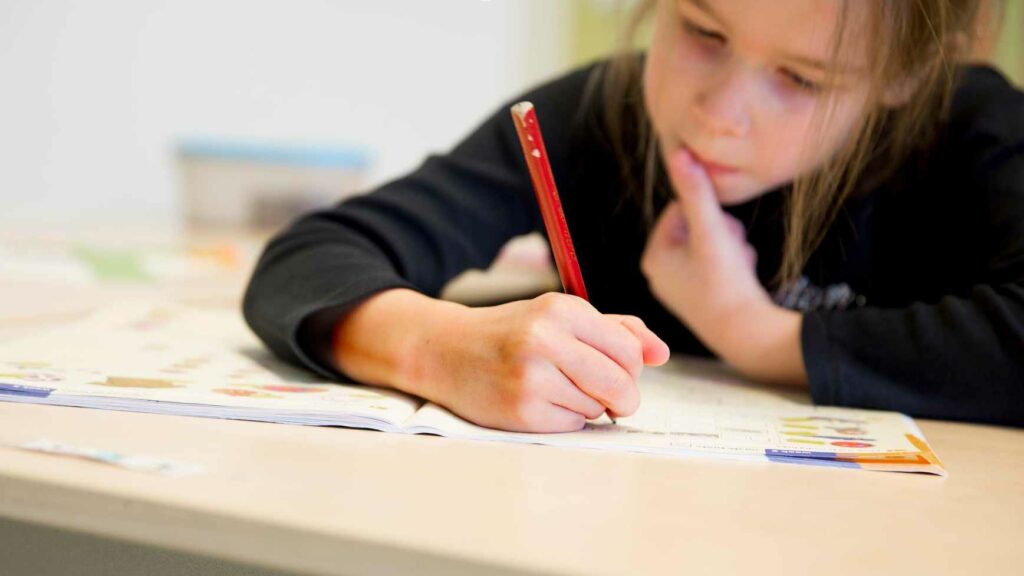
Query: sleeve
{"points": [[961, 357], [453, 213]]}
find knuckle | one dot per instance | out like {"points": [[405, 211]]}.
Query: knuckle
{"points": [[531, 339], [575, 422], [635, 350], [548, 304], [637, 322], [526, 342], [594, 411], [619, 392], [558, 305], [630, 350], [634, 365]]}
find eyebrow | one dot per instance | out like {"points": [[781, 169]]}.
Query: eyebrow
{"points": [[706, 8], [805, 61]]}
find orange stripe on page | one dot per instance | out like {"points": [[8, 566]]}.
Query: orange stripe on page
{"points": [[925, 449]]}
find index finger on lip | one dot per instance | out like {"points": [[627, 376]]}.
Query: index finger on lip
{"points": [[695, 192]]}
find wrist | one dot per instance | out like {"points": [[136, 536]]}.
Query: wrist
{"points": [[762, 340], [386, 339], [427, 326]]}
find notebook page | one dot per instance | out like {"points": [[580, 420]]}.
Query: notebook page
{"points": [[179, 360]]}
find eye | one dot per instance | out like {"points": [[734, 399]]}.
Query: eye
{"points": [[703, 33], [800, 82]]}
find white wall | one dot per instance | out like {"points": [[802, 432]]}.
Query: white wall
{"points": [[93, 93]]}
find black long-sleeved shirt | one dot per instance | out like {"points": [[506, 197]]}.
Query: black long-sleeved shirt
{"points": [[914, 301]]}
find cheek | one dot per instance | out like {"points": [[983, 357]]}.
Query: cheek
{"points": [[783, 142], [659, 94], [651, 88], [797, 145], [672, 76]]}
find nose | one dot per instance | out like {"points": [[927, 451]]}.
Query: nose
{"points": [[722, 104]]}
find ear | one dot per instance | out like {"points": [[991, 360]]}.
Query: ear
{"points": [[900, 92]]}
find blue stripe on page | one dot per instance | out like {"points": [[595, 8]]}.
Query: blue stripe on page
{"points": [[813, 461], [851, 438], [22, 390], [770, 452]]}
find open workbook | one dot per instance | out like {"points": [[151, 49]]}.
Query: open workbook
{"points": [[168, 359]]}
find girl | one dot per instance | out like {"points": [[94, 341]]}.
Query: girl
{"points": [[811, 190]]}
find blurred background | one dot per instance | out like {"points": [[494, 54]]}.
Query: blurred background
{"points": [[113, 109], [101, 96], [143, 140], [130, 110]]}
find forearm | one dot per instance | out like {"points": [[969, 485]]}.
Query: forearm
{"points": [[381, 340], [959, 358], [763, 342]]}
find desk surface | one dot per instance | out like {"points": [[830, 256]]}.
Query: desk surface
{"points": [[338, 501], [358, 502]]}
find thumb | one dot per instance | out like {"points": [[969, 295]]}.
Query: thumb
{"points": [[704, 215], [656, 351]]}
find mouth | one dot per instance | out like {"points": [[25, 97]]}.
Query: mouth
{"points": [[711, 167]]}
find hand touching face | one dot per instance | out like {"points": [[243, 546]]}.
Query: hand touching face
{"points": [[743, 86]]}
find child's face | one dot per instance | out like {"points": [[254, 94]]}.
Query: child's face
{"points": [[737, 82]]}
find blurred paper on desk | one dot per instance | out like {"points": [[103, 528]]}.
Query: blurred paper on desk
{"points": [[80, 263], [200, 362]]}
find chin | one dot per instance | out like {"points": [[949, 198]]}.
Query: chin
{"points": [[734, 195]]}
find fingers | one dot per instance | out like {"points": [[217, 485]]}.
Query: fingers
{"points": [[598, 357], [696, 194], [736, 228], [565, 393], [739, 231], [598, 376], [539, 416], [558, 419], [655, 350], [607, 336], [671, 227]]}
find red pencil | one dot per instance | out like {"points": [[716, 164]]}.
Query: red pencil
{"points": [[536, 156], [543, 179]]}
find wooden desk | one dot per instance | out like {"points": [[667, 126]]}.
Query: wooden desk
{"points": [[337, 501]]}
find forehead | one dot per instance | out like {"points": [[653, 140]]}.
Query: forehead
{"points": [[804, 28]]}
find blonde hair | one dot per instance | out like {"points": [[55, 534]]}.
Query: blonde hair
{"points": [[917, 43]]}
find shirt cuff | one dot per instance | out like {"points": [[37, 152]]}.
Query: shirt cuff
{"points": [[822, 366], [312, 338]]}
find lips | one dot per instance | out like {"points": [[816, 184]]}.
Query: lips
{"points": [[711, 167]]}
